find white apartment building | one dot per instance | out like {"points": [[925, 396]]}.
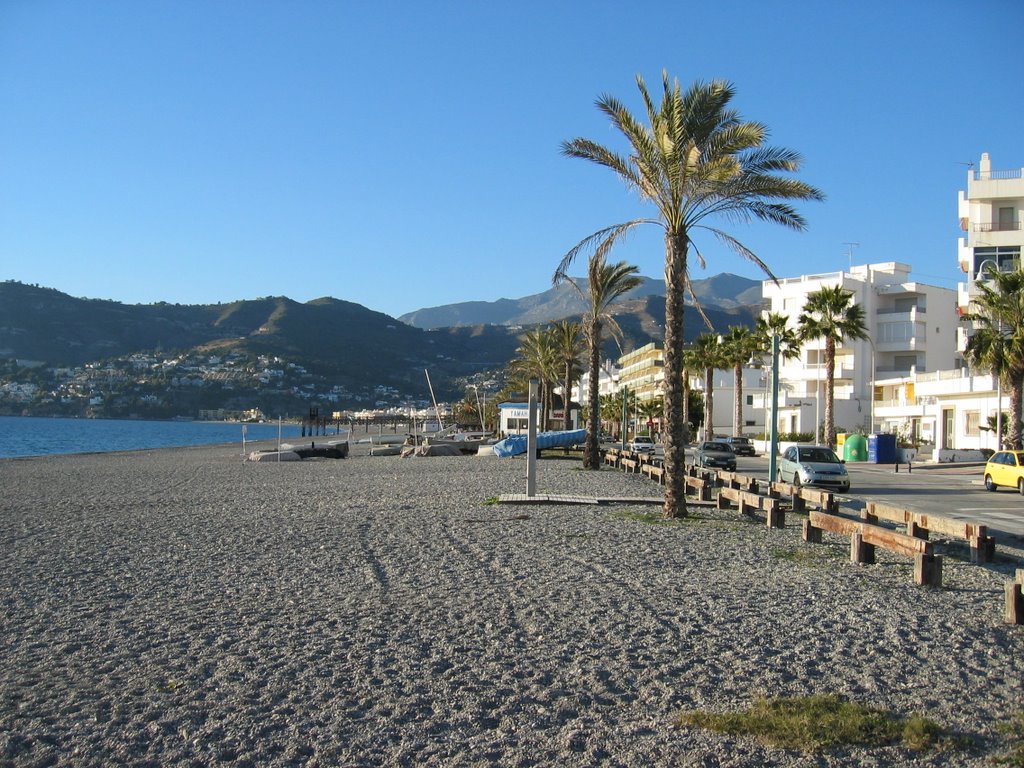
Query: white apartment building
{"points": [[991, 212], [912, 328], [951, 408]]}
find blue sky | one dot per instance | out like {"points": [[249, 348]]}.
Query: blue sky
{"points": [[404, 154]]}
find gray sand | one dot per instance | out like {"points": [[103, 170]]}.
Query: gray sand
{"points": [[181, 607]]}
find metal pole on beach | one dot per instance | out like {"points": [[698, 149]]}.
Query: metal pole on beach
{"points": [[531, 440]]}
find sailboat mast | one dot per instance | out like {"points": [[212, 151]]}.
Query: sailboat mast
{"points": [[440, 423]]}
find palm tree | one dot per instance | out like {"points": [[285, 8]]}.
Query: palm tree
{"points": [[568, 337], [830, 314], [537, 360], [998, 339], [708, 355], [776, 324], [606, 283], [695, 160], [651, 409], [739, 344]]}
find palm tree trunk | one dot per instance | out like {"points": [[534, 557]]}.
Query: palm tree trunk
{"points": [[686, 402], [1016, 403], [830, 386], [737, 412], [676, 246], [591, 456]]}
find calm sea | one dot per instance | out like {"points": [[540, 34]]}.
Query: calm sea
{"points": [[21, 436]]}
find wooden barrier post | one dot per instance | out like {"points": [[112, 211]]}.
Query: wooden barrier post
{"points": [[811, 534], [1014, 613], [861, 553], [928, 570]]}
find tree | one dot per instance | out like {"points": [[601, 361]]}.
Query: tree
{"points": [[606, 283], [537, 360], [739, 344], [830, 314], [569, 344], [651, 409], [776, 324], [998, 339], [694, 160], [708, 355]]}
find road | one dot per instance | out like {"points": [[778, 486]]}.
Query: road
{"points": [[949, 490]]}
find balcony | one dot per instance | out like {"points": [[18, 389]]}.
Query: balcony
{"points": [[997, 226], [1014, 173]]}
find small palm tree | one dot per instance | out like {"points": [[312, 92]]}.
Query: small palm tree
{"points": [[998, 339], [651, 409], [606, 283], [694, 161], [830, 314], [776, 324], [707, 353], [738, 346], [569, 343], [537, 359]]}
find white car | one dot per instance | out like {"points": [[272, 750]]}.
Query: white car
{"points": [[641, 444], [815, 465]]}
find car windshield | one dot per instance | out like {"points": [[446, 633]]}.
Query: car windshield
{"points": [[740, 440], [823, 455], [716, 447]]}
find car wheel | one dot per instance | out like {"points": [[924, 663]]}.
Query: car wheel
{"points": [[796, 479], [778, 476], [989, 485], [1020, 486]]}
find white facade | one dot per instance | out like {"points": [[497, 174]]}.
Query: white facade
{"points": [[912, 328], [755, 384], [991, 212]]}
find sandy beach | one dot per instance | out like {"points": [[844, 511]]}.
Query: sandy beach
{"points": [[182, 607]]}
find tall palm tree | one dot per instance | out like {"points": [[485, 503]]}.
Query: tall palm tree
{"points": [[568, 347], [708, 355], [830, 314], [606, 283], [739, 344], [997, 342], [694, 160], [651, 409]]}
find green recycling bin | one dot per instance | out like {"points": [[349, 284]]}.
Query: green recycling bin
{"points": [[855, 448]]}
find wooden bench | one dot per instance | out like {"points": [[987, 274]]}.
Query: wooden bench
{"points": [[747, 501], [701, 485], [864, 537], [983, 546], [629, 464], [611, 457], [825, 500], [1014, 613], [653, 471], [742, 482]]}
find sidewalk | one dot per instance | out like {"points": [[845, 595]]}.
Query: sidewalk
{"points": [[941, 468]]}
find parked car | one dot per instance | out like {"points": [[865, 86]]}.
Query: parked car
{"points": [[741, 446], [642, 444], [1005, 468], [715, 454], [814, 465]]}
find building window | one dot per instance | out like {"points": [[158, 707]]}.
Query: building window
{"points": [[750, 399], [1005, 257], [972, 422]]}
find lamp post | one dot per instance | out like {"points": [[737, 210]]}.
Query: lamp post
{"points": [[773, 433]]}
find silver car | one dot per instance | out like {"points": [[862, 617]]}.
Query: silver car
{"points": [[814, 465], [715, 454]]}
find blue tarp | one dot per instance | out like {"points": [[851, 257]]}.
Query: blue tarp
{"points": [[513, 445]]}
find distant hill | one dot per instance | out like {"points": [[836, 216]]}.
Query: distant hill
{"points": [[344, 343], [721, 292]]}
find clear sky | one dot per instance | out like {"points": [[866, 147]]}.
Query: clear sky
{"points": [[407, 154]]}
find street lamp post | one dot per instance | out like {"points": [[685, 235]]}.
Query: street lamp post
{"points": [[773, 439]]}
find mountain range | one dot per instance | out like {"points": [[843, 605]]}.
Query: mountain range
{"points": [[340, 341], [720, 292]]}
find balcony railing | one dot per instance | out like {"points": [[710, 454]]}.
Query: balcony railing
{"points": [[998, 226], [997, 175]]}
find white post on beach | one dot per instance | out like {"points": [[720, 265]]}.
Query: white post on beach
{"points": [[279, 439], [531, 441], [245, 428]]}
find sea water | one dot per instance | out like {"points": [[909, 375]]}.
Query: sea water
{"points": [[25, 436]]}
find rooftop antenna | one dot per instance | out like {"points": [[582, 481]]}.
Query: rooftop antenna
{"points": [[849, 252]]}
